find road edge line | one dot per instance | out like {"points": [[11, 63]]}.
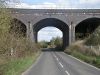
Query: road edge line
{"points": [[27, 70], [83, 62]]}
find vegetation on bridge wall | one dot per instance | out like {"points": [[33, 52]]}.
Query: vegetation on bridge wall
{"points": [[94, 39]]}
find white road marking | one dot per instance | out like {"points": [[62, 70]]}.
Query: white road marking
{"points": [[57, 59], [61, 64], [67, 72]]}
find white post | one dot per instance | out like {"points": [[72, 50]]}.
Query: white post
{"points": [[12, 51]]}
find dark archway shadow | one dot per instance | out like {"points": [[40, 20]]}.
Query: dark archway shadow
{"points": [[51, 50], [85, 28], [54, 23]]}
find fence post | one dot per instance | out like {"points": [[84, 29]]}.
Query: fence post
{"points": [[91, 47], [12, 51]]}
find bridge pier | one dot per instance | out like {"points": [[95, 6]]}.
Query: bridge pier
{"points": [[73, 33], [28, 30], [30, 33], [32, 37]]}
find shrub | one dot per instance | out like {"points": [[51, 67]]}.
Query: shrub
{"points": [[94, 39], [80, 47]]}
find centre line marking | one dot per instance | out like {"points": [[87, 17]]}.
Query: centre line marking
{"points": [[61, 65], [67, 72], [57, 59]]}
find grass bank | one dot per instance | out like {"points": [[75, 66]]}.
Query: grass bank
{"points": [[16, 54], [87, 55], [17, 66]]}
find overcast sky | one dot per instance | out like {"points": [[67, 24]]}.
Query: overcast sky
{"points": [[48, 33], [55, 4]]}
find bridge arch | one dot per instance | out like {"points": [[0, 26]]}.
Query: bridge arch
{"points": [[86, 27], [18, 27], [35, 19], [54, 23]]}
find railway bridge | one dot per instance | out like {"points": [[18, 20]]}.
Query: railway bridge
{"points": [[72, 22]]}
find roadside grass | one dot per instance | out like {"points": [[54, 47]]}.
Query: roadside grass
{"points": [[16, 54], [17, 66], [79, 51], [88, 59]]}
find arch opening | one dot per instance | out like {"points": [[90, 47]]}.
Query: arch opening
{"points": [[50, 37], [18, 28], [63, 27], [85, 28]]}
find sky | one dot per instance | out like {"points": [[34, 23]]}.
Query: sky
{"points": [[60, 4], [48, 33]]}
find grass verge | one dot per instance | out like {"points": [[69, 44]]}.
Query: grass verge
{"points": [[88, 59], [17, 66], [87, 55]]}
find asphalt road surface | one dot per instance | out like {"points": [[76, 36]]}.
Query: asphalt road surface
{"points": [[59, 63]]}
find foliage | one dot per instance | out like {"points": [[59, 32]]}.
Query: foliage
{"points": [[80, 47], [2, 3], [43, 44], [94, 39], [5, 19], [17, 28], [17, 66], [56, 42], [79, 50], [12, 48]]}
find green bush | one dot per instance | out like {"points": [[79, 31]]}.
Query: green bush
{"points": [[94, 39]]}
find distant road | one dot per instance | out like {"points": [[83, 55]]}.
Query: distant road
{"points": [[59, 63]]}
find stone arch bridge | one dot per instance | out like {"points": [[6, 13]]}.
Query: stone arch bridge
{"points": [[69, 21]]}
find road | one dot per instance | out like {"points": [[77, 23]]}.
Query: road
{"points": [[59, 63]]}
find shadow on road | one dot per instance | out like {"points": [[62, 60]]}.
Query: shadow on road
{"points": [[51, 50]]}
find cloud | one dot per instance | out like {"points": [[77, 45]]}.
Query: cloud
{"points": [[89, 1], [35, 6], [48, 33], [59, 4]]}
